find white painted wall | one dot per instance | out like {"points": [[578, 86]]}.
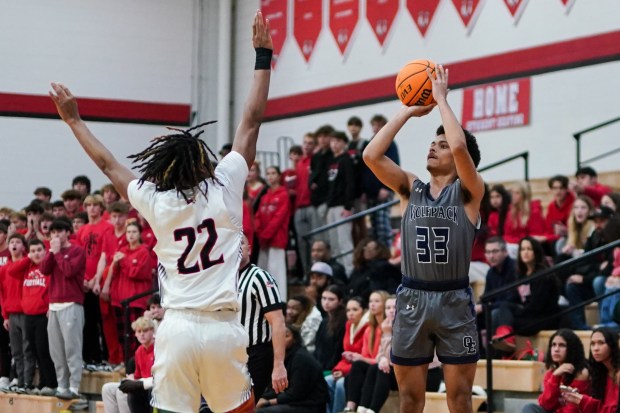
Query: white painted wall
{"points": [[115, 49]]}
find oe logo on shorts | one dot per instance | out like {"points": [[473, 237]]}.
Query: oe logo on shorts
{"points": [[469, 344]]}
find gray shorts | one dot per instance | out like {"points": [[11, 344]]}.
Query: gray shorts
{"points": [[429, 321]]}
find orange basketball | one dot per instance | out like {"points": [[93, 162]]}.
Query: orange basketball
{"points": [[413, 87]]}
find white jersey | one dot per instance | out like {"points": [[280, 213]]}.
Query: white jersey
{"points": [[198, 244]]}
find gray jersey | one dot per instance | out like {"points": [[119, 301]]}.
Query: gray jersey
{"points": [[436, 234]]}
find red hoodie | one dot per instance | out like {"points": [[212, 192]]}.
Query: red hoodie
{"points": [[35, 300], [558, 214], [550, 398], [66, 271], [132, 276], [11, 291], [535, 225], [354, 345], [272, 218]]}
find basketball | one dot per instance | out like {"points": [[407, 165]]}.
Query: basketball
{"points": [[413, 87]]}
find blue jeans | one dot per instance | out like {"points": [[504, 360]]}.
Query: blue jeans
{"points": [[337, 397], [578, 293]]}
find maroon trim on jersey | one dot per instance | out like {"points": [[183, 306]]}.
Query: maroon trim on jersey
{"points": [[104, 110], [517, 63]]}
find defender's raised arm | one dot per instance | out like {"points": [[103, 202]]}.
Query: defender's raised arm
{"points": [[247, 131]]}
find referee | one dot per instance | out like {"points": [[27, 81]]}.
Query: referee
{"points": [[262, 316]]}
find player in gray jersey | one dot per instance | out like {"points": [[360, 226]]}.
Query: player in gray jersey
{"points": [[435, 311]]}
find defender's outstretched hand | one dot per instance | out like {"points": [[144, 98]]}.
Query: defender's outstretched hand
{"points": [[65, 103], [261, 34]]}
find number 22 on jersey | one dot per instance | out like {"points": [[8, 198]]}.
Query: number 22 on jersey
{"points": [[205, 260]]}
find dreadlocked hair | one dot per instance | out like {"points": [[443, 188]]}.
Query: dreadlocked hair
{"points": [[178, 161]]}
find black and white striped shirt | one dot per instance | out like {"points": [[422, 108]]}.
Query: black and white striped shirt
{"points": [[258, 295]]}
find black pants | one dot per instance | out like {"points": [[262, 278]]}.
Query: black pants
{"points": [[36, 337], [139, 402], [91, 350], [377, 386], [355, 381], [260, 365], [5, 351]]}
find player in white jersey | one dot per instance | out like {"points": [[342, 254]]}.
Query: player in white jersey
{"points": [[195, 212]]}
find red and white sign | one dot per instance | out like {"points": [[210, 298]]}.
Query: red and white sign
{"points": [[422, 12], [468, 10], [381, 15], [307, 25], [516, 8], [276, 11], [343, 17], [496, 105]]}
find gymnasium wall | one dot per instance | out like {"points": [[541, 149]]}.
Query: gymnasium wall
{"points": [[568, 49]]}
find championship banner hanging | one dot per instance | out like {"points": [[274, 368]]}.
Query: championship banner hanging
{"points": [[422, 12], [343, 17], [468, 11], [496, 105], [381, 14], [307, 25], [516, 8], [276, 11]]}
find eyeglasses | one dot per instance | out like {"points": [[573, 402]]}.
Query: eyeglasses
{"points": [[495, 251]]}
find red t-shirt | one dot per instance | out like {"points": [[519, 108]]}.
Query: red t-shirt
{"points": [[145, 357], [5, 257], [10, 292], [91, 237], [558, 214], [535, 225]]}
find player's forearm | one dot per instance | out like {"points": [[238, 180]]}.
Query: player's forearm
{"points": [[378, 146], [92, 146], [451, 125]]}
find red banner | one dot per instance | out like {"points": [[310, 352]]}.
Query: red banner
{"points": [[343, 17], [568, 4], [307, 25], [496, 105], [276, 11], [381, 15], [516, 8], [468, 10], [422, 12]]}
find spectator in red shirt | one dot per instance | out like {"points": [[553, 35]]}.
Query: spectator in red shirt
{"points": [[58, 209], [5, 352], [65, 265], [81, 183], [33, 216], [524, 218], [19, 222], [79, 220], [35, 305], [12, 312], [91, 237], [304, 211], [72, 200], [559, 208], [128, 275], [500, 200], [587, 184], [579, 229], [271, 222], [110, 195], [43, 194]]}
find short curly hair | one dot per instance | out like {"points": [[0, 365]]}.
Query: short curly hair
{"points": [[472, 144]]}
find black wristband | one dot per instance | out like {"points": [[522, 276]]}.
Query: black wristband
{"points": [[263, 58]]}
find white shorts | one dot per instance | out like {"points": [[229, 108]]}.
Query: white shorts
{"points": [[199, 352]]}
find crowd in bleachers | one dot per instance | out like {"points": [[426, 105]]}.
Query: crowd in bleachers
{"points": [[339, 318]]}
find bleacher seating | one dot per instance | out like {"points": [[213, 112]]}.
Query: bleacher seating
{"points": [[512, 375], [23, 403], [435, 403], [93, 381], [542, 340]]}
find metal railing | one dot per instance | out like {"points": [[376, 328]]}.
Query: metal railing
{"points": [[486, 303], [127, 335], [578, 136], [526, 166]]}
